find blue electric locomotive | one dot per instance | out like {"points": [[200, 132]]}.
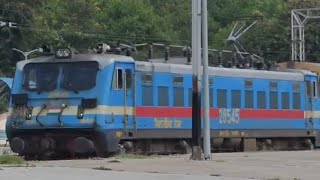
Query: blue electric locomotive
{"points": [[71, 103]]}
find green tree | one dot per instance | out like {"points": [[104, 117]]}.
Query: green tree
{"points": [[73, 22], [80, 23], [21, 13]]}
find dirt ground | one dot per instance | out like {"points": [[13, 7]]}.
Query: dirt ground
{"points": [[293, 165]]}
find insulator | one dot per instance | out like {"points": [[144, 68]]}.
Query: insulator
{"points": [[268, 65], [250, 62], [46, 48], [166, 53], [185, 51], [220, 58], [259, 65], [234, 59], [117, 51], [229, 64], [188, 55], [150, 52], [128, 52], [210, 56], [99, 49]]}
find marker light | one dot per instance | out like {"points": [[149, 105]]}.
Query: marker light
{"points": [[80, 112], [63, 53], [29, 113]]}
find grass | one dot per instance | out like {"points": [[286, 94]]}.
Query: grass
{"points": [[275, 178], [152, 172], [11, 160], [114, 161], [220, 160], [131, 156], [102, 168]]}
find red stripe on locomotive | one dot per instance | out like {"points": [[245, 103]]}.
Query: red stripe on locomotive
{"points": [[271, 114], [214, 113]]}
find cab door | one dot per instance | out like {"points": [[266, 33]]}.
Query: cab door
{"points": [[124, 94], [311, 101]]}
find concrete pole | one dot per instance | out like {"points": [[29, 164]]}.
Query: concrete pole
{"points": [[206, 134], [196, 94]]}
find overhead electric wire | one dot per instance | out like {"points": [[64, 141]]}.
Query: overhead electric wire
{"points": [[16, 11]]}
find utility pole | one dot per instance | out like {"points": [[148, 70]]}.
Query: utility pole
{"points": [[196, 94], [206, 134]]}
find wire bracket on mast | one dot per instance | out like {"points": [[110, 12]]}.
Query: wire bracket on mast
{"points": [[299, 18]]}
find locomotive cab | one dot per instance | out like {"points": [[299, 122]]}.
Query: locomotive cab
{"points": [[65, 103], [54, 90]]}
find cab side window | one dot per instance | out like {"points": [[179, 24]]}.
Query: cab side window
{"points": [[117, 79], [311, 88], [314, 89]]}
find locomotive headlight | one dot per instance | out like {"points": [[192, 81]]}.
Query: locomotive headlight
{"points": [[63, 53], [29, 113]]}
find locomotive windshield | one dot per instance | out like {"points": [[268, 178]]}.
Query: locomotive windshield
{"points": [[76, 76], [80, 76], [40, 77]]}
